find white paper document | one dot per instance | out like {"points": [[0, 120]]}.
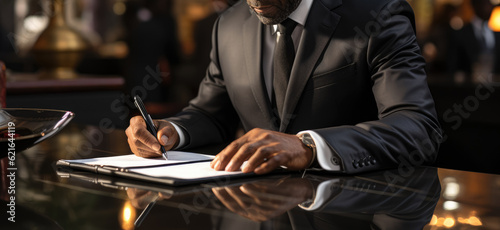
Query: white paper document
{"points": [[127, 161], [185, 171]]}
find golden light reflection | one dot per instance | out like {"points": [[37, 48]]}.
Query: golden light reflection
{"points": [[475, 221], [127, 216], [434, 220], [449, 222], [494, 22], [440, 221]]}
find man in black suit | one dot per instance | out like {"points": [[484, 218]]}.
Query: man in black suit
{"points": [[356, 94]]}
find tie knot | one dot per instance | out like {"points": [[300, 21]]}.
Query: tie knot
{"points": [[287, 26]]}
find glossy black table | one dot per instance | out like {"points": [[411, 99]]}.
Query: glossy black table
{"points": [[406, 198]]}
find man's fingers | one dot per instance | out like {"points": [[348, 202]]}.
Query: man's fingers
{"points": [[215, 162], [144, 144], [144, 136], [263, 154], [137, 131], [222, 159], [142, 152], [265, 151], [242, 154], [147, 153]]}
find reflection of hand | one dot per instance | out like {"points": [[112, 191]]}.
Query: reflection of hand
{"points": [[144, 144], [264, 200], [265, 151], [141, 198]]}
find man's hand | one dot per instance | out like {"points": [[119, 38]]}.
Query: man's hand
{"points": [[265, 151], [144, 144]]}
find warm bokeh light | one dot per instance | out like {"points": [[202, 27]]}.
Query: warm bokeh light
{"points": [[494, 22], [119, 8], [456, 23], [127, 216], [449, 222], [440, 221], [475, 221], [434, 220]]}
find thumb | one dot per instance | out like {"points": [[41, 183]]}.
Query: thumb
{"points": [[165, 140], [167, 135]]}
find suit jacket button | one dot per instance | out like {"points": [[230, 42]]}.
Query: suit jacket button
{"points": [[335, 161], [355, 164], [373, 161]]}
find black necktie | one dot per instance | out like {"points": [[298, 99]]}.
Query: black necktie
{"points": [[284, 54]]}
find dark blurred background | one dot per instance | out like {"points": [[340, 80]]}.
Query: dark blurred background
{"points": [[158, 49]]}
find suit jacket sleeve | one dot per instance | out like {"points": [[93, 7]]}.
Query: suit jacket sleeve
{"points": [[407, 131]]}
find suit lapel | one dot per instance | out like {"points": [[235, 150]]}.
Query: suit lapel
{"points": [[320, 25], [252, 40]]}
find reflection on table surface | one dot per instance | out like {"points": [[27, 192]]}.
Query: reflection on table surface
{"points": [[415, 198]]}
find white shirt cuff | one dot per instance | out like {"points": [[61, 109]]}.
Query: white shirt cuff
{"points": [[323, 151], [182, 135]]}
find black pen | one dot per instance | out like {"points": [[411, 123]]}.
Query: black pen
{"points": [[149, 122]]}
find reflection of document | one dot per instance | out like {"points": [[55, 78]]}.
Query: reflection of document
{"points": [[127, 161], [181, 168]]}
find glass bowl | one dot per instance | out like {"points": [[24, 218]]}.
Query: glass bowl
{"points": [[23, 128]]}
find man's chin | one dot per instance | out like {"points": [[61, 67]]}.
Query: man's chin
{"points": [[269, 20]]}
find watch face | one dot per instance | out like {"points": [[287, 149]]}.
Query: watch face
{"points": [[307, 140]]}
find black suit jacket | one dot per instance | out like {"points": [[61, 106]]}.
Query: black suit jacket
{"points": [[358, 80]]}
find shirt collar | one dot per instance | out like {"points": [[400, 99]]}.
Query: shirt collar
{"points": [[300, 14]]}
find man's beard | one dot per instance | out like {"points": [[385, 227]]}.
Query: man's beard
{"points": [[282, 14]]}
